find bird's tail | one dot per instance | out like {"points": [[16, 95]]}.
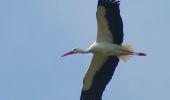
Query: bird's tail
{"points": [[128, 52]]}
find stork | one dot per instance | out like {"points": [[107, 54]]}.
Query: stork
{"points": [[107, 50]]}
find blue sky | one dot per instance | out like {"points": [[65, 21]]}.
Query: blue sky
{"points": [[35, 33]]}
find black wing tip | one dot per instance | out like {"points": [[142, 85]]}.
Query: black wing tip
{"points": [[108, 2]]}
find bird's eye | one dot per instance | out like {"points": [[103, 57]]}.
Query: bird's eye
{"points": [[74, 49]]}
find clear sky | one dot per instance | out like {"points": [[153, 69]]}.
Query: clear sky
{"points": [[35, 33]]}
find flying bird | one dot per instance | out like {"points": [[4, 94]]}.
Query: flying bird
{"points": [[107, 50]]}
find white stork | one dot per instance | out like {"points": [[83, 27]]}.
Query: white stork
{"points": [[107, 50]]}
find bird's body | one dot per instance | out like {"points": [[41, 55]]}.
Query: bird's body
{"points": [[107, 49]]}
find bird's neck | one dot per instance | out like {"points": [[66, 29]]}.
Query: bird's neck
{"points": [[84, 51]]}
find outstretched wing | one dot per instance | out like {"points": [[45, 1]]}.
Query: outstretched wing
{"points": [[101, 69], [98, 76], [109, 22]]}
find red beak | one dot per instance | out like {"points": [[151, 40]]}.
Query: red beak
{"points": [[68, 53]]}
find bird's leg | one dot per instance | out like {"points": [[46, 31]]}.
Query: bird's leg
{"points": [[125, 52], [139, 54], [133, 53]]}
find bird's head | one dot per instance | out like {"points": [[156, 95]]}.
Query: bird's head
{"points": [[73, 51]]}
